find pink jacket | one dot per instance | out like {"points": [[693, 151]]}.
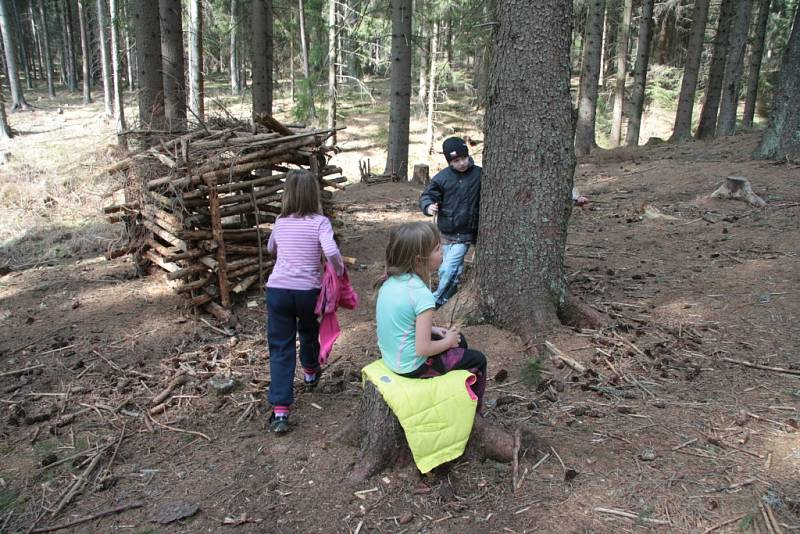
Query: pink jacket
{"points": [[335, 291]]}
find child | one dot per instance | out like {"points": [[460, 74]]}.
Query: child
{"points": [[454, 195], [409, 343], [300, 234]]}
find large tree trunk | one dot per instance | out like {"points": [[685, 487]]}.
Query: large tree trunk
{"points": [[425, 41], [622, 73], [640, 74], [71, 56], [171, 15], [36, 38], [87, 59], [333, 24], [119, 107], [149, 64], [7, 28], [22, 46], [590, 73], [5, 129], [754, 69], [782, 137], [262, 57], [400, 91], [196, 83], [130, 52], [308, 82], [105, 57], [707, 127], [729, 103], [529, 165], [431, 107], [48, 56], [683, 117], [236, 79]]}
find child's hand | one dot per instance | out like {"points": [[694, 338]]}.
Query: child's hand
{"points": [[452, 337], [581, 200], [438, 332], [433, 209]]}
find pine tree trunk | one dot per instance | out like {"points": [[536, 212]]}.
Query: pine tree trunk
{"points": [[72, 62], [148, 62], [309, 84], [22, 46], [601, 79], [170, 13], [333, 24], [87, 59], [400, 91], [640, 73], [7, 28], [424, 62], [683, 117], [105, 58], [622, 73], [707, 127], [663, 38], [527, 178], [754, 69], [119, 106], [196, 89], [236, 80], [782, 137], [5, 129], [48, 56], [291, 62], [729, 103], [262, 57], [130, 52], [590, 73], [36, 37], [429, 132]]}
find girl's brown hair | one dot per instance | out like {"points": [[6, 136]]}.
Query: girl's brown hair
{"points": [[410, 246], [300, 194]]}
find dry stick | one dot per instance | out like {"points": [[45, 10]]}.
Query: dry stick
{"points": [[772, 518], [78, 484], [541, 461], [119, 442], [629, 515], [194, 433], [515, 481], [21, 371], [68, 458], [724, 523], [767, 522], [260, 238], [38, 339], [80, 520], [762, 367], [175, 382], [556, 353]]}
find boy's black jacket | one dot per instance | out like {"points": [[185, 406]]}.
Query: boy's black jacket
{"points": [[459, 196]]}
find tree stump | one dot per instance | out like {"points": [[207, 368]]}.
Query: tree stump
{"points": [[738, 188], [422, 174], [382, 442]]}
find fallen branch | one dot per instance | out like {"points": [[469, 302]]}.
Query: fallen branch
{"points": [[179, 380], [78, 484], [21, 371], [194, 433], [762, 367], [84, 519], [629, 515], [556, 353], [724, 523]]}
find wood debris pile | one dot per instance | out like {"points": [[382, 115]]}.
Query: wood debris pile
{"points": [[201, 206]]}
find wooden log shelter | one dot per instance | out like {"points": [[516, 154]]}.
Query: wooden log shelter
{"points": [[201, 205]]}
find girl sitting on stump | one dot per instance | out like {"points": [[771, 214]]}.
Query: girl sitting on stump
{"points": [[409, 343]]}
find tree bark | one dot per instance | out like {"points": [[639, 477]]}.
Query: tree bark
{"points": [[640, 73], [23, 46], [5, 129], [333, 24], [36, 38], [590, 74], [400, 91], [119, 107], [683, 117], [308, 82], [431, 106], [529, 165], [729, 103], [7, 28], [72, 61], [87, 59], [149, 65], [236, 80], [171, 15], [262, 50], [782, 137], [130, 52], [196, 83], [754, 69], [622, 72], [105, 58], [48, 56], [425, 40], [707, 127], [663, 37]]}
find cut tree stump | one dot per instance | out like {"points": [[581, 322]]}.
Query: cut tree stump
{"points": [[422, 174], [382, 442], [738, 188]]}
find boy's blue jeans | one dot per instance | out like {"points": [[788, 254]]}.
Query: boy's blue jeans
{"points": [[290, 312], [450, 271]]}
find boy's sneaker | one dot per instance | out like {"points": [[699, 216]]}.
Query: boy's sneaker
{"points": [[310, 382], [279, 423]]}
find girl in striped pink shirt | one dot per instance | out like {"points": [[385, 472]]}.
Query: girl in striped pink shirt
{"points": [[300, 235]]}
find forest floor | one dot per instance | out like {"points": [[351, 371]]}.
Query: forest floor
{"points": [[667, 429]]}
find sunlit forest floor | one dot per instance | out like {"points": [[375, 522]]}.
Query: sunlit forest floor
{"points": [[668, 427]]}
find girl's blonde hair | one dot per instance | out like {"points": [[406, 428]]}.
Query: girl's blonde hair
{"points": [[300, 194], [410, 246]]}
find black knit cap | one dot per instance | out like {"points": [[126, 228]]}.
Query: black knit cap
{"points": [[454, 147]]}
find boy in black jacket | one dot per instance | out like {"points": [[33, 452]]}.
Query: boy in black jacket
{"points": [[454, 195]]}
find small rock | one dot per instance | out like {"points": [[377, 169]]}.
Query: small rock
{"points": [[505, 399], [625, 409], [222, 384], [647, 454], [174, 511], [405, 518], [501, 376]]}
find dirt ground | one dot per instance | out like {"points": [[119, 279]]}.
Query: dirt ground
{"points": [[664, 427]]}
